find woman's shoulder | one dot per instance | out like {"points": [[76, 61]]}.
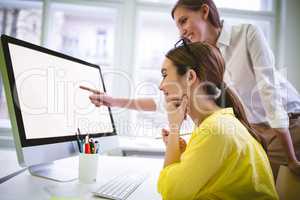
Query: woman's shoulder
{"points": [[222, 122], [246, 30], [241, 27]]}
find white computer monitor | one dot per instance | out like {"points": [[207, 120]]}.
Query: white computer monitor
{"points": [[46, 106]]}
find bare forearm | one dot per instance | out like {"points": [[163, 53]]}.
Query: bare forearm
{"points": [[135, 104], [173, 151], [286, 140]]}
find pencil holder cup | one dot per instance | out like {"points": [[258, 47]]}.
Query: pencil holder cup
{"points": [[88, 167]]}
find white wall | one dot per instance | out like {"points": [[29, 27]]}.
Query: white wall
{"points": [[290, 40]]}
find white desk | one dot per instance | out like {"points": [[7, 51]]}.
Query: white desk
{"points": [[141, 146], [8, 164], [25, 186]]}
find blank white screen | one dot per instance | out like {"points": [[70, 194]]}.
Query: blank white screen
{"points": [[50, 100]]}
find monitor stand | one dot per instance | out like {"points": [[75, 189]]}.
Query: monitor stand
{"points": [[53, 172]]}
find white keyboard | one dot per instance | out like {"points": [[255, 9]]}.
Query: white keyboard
{"points": [[120, 187]]}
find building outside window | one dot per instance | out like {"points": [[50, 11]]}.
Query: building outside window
{"points": [[21, 20]]}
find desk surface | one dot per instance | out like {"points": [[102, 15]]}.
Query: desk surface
{"points": [[141, 145], [25, 186], [8, 163]]}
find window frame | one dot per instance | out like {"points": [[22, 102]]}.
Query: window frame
{"points": [[5, 127]]}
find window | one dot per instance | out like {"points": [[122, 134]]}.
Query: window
{"points": [[170, 2], [254, 5], [155, 35], [86, 32], [21, 20]]}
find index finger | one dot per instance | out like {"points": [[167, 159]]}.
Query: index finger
{"points": [[173, 98], [89, 89]]}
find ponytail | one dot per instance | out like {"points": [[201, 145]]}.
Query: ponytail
{"points": [[229, 99]]}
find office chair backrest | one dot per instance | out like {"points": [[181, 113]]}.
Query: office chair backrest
{"points": [[287, 184]]}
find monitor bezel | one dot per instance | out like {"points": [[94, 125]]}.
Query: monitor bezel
{"points": [[6, 40]]}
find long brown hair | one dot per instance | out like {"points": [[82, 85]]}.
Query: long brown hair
{"points": [[208, 63], [195, 5]]}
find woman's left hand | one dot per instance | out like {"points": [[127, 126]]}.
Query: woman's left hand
{"points": [[294, 167], [176, 113], [182, 142]]}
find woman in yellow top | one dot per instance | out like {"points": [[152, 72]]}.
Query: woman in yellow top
{"points": [[223, 159]]}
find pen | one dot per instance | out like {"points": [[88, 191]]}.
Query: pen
{"points": [[180, 134], [78, 130], [92, 146], [79, 134], [87, 148], [183, 134], [96, 146], [78, 142], [81, 140]]}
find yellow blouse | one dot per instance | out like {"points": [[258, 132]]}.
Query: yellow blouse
{"points": [[221, 161]]}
